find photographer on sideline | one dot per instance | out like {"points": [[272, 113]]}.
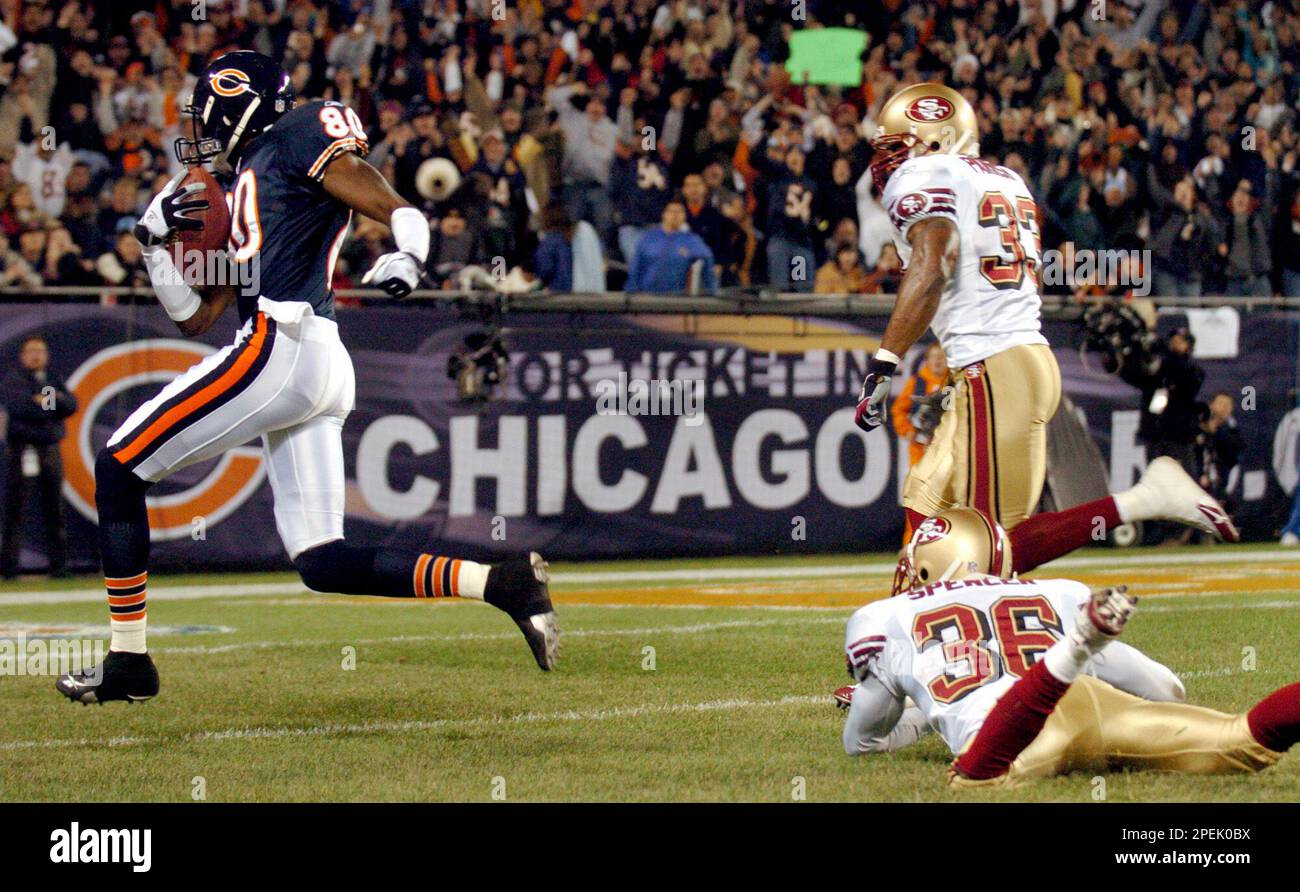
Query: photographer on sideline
{"points": [[1170, 381], [37, 401], [1222, 449]]}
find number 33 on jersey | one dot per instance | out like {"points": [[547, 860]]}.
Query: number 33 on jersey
{"points": [[283, 222], [994, 292]]}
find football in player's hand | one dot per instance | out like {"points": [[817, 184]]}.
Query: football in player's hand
{"points": [[215, 233]]}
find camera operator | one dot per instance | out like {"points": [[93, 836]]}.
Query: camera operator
{"points": [[478, 367], [1169, 380], [1219, 448]]}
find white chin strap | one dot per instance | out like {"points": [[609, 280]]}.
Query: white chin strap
{"points": [[222, 161]]}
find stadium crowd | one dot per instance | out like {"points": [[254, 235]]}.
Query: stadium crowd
{"points": [[605, 143]]}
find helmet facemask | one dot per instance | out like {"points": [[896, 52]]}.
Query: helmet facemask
{"points": [[889, 153]]}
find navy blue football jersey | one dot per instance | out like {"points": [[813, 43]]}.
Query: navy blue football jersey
{"points": [[282, 219]]}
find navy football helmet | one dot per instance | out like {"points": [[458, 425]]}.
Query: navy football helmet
{"points": [[238, 96]]}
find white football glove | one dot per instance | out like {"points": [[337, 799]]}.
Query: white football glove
{"points": [[169, 211], [397, 273]]}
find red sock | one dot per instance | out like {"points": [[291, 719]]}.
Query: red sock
{"points": [[1275, 720], [1045, 537], [1012, 724]]}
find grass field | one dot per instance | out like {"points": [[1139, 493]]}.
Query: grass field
{"points": [[444, 702]]}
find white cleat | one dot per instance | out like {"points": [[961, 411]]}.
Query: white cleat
{"points": [[1103, 618], [1167, 492]]}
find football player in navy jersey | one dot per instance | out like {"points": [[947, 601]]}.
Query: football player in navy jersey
{"points": [[296, 176]]}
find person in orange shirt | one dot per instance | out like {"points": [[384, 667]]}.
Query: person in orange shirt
{"points": [[915, 417], [911, 421]]}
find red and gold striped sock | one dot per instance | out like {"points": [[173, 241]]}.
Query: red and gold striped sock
{"points": [[126, 608], [435, 576]]}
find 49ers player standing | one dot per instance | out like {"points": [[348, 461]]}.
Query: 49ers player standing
{"points": [[967, 232]]}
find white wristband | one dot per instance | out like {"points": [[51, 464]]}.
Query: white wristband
{"points": [[178, 299], [887, 356], [411, 233]]}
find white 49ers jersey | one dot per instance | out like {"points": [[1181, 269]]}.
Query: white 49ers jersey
{"points": [[992, 301], [956, 647]]}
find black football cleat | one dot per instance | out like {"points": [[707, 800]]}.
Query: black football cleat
{"points": [[122, 676], [520, 587]]}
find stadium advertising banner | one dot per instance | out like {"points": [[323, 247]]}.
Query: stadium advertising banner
{"points": [[607, 436]]}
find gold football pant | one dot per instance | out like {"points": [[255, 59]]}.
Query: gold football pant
{"points": [[990, 450], [1097, 727]]}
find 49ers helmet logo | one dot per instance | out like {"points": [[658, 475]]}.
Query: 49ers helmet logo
{"points": [[929, 109], [932, 529], [229, 82]]}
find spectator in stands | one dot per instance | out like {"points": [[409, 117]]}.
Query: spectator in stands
{"points": [[15, 269], [453, 245], [1289, 248], [124, 265], [670, 256], [1090, 110], [736, 258], [1183, 236], [509, 202], [843, 273], [42, 162], [589, 138], [569, 257], [1245, 247], [704, 219], [887, 275], [37, 402], [640, 181], [790, 257]]}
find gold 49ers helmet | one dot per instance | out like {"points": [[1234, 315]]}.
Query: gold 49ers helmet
{"points": [[922, 119], [953, 544]]}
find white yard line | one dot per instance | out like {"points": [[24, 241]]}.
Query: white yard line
{"points": [[160, 593], [701, 574], [693, 629], [333, 729]]}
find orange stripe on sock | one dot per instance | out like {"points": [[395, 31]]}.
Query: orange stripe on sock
{"points": [[125, 617], [126, 600], [420, 564], [455, 579], [200, 399], [437, 577], [126, 582]]}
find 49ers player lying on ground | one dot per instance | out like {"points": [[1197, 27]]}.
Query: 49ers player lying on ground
{"points": [[1024, 679]]}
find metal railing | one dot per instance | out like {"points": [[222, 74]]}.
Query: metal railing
{"points": [[748, 301]]}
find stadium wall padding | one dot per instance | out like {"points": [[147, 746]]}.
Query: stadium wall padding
{"points": [[770, 463]]}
